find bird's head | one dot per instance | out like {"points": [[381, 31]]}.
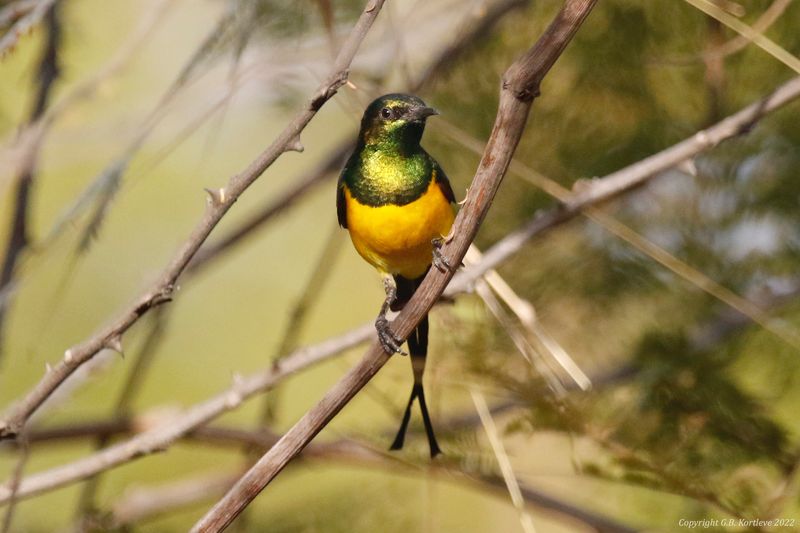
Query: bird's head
{"points": [[395, 118]]}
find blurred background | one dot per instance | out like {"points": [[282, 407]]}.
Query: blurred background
{"points": [[676, 301]]}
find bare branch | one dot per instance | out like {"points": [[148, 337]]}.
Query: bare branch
{"points": [[162, 290], [520, 86], [167, 431]]}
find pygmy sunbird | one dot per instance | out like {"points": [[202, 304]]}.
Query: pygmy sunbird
{"points": [[397, 204]]}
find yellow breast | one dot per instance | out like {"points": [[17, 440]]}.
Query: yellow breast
{"points": [[397, 239]]}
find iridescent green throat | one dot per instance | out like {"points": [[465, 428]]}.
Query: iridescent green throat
{"points": [[387, 169]]}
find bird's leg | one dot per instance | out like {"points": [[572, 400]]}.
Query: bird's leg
{"points": [[390, 343], [439, 260]]}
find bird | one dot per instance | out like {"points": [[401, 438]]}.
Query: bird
{"points": [[398, 206]]}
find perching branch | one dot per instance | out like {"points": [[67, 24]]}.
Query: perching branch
{"points": [[520, 86], [219, 202]]}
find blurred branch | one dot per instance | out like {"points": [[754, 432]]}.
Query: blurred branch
{"points": [[485, 19], [26, 142], [219, 202], [23, 25], [749, 33], [142, 504], [778, 328], [16, 477], [14, 10], [738, 43], [526, 315], [136, 375], [165, 432], [598, 190], [18, 238], [509, 478], [296, 317], [520, 86], [145, 503]]}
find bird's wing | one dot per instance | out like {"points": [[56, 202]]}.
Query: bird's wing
{"points": [[444, 183], [341, 204]]}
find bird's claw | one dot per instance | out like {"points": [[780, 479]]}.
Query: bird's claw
{"points": [[439, 260], [389, 342]]}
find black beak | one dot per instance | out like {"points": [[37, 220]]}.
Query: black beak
{"points": [[419, 114]]}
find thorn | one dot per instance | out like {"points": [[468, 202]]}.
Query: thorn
{"points": [[216, 197], [295, 145], [688, 167], [115, 343], [351, 85], [47, 368], [68, 356]]}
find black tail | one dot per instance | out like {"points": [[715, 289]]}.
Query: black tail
{"points": [[418, 349]]}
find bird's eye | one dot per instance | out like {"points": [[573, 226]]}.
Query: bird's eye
{"points": [[386, 112]]}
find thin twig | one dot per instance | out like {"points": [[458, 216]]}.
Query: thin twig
{"points": [[738, 43], [219, 202], [598, 190], [16, 477], [520, 86], [780, 329], [765, 43], [503, 461], [526, 314]]}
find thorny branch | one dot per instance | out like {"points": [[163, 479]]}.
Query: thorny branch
{"points": [[520, 86], [220, 201]]}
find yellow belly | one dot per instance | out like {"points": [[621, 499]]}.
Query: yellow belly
{"points": [[397, 239]]}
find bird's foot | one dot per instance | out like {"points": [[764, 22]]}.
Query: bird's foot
{"points": [[439, 261], [389, 342]]}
